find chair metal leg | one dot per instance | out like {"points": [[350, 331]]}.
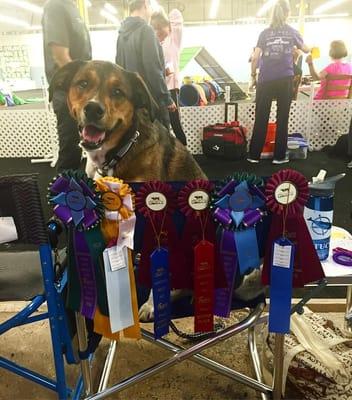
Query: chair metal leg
{"points": [[253, 352], [50, 290], [182, 355], [28, 374], [348, 314], [278, 365], [82, 344], [23, 315], [208, 363], [107, 366]]}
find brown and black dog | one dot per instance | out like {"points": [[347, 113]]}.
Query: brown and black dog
{"points": [[115, 112], [116, 116]]}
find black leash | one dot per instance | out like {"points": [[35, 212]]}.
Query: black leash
{"points": [[219, 326]]}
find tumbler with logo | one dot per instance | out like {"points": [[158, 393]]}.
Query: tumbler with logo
{"points": [[318, 213]]}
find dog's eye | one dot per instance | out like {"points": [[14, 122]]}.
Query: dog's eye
{"points": [[116, 92], [82, 84]]}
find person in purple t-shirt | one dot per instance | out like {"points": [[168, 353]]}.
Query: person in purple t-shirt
{"points": [[274, 56]]}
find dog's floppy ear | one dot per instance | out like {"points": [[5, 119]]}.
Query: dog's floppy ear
{"points": [[63, 77], [142, 98]]}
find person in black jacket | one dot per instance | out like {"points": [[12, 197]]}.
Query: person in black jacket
{"points": [[138, 50], [65, 39]]}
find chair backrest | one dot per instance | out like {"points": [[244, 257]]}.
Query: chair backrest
{"points": [[20, 199], [338, 87]]}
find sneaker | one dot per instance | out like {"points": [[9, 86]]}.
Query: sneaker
{"points": [[252, 160], [284, 161], [349, 165]]}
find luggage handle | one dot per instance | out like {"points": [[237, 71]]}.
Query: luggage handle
{"points": [[227, 110]]}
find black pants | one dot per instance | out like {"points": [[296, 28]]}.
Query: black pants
{"points": [[163, 116], [69, 151], [350, 140], [281, 90], [175, 118]]}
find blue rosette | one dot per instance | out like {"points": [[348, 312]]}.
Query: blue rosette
{"points": [[238, 204]]}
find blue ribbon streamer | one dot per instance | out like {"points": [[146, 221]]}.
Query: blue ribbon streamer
{"points": [[281, 291], [247, 250]]}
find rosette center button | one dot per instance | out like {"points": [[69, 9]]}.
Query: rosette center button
{"points": [[240, 200], [76, 200]]}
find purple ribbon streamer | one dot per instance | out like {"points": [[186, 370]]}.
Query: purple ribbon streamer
{"points": [[228, 188], [90, 217], [85, 268], [61, 184], [251, 217], [223, 216], [228, 258], [63, 213], [86, 189]]}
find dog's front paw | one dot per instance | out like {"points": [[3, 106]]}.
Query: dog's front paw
{"points": [[146, 312]]}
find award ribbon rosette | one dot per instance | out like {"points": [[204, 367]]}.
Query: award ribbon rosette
{"points": [[237, 207], [156, 202], [118, 225], [78, 206], [199, 237], [290, 259]]}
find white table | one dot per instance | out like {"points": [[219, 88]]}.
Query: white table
{"points": [[338, 275]]}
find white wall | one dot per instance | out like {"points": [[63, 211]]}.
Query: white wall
{"points": [[230, 44]]}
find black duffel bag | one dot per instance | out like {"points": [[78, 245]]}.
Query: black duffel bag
{"points": [[220, 148], [226, 140]]}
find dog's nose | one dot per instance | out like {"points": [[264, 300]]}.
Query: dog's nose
{"points": [[94, 111]]}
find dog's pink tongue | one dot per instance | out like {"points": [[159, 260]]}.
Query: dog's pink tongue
{"points": [[91, 133]]}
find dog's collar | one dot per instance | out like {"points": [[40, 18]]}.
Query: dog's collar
{"points": [[118, 154]]}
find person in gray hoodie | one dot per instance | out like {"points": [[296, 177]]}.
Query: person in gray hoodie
{"points": [[138, 50]]}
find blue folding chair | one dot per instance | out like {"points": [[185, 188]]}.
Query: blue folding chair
{"points": [[30, 275]]}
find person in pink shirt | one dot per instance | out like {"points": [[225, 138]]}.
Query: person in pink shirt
{"points": [[338, 52], [169, 30]]}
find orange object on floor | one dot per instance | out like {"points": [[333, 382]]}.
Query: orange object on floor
{"points": [[268, 149]]}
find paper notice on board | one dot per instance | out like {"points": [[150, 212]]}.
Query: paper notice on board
{"points": [[8, 231]]}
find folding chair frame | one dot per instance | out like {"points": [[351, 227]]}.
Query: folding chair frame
{"points": [[30, 206], [181, 354]]}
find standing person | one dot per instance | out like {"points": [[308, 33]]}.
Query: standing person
{"points": [[349, 165], [65, 39], [169, 31], [138, 50], [337, 53], [274, 50]]}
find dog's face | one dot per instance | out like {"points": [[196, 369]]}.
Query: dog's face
{"points": [[102, 98]]}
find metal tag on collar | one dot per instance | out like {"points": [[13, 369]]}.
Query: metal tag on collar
{"points": [[102, 172], [136, 136]]}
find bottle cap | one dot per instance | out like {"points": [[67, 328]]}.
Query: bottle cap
{"points": [[326, 187]]}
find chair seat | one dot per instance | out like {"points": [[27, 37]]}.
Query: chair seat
{"points": [[184, 306], [20, 275]]}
